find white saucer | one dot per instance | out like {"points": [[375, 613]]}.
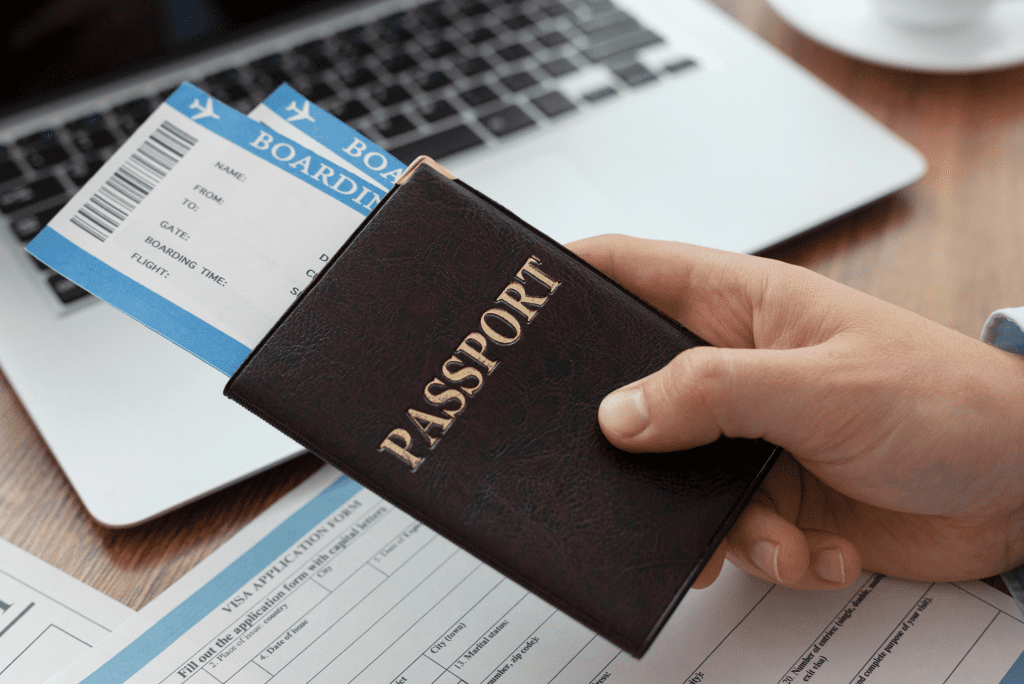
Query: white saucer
{"points": [[855, 28]]}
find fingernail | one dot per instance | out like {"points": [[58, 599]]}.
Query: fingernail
{"points": [[765, 555], [624, 412], [829, 566]]}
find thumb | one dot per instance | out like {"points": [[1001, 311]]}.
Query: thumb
{"points": [[706, 392]]}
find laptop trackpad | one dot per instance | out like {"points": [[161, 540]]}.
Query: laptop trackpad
{"points": [[550, 194]]}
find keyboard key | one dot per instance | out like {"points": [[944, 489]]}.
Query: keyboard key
{"points": [[207, 85], [133, 121], [481, 35], [553, 104], [635, 74], [552, 39], [399, 63], [397, 125], [311, 49], [269, 64], [352, 42], [506, 121], [472, 67], [513, 52], [599, 94], [391, 95], [229, 93], [27, 227], [271, 78], [432, 15], [359, 48], [86, 123], [358, 77], [621, 46], [9, 171], [267, 83], [520, 81], [603, 21], [224, 77], [47, 156], [439, 145], [93, 139], [350, 110], [137, 110], [128, 127], [350, 34], [472, 9], [38, 139], [438, 111], [555, 9], [433, 80], [611, 31], [396, 36], [520, 21], [394, 29], [478, 96], [316, 64], [560, 67], [440, 49], [318, 91], [81, 172], [23, 196], [66, 290], [680, 65], [438, 22]]}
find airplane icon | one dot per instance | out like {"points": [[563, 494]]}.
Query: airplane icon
{"points": [[300, 114], [205, 111]]}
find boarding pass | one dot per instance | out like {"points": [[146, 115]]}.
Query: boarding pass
{"points": [[207, 224]]}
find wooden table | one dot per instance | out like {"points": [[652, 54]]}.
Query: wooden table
{"points": [[950, 248]]}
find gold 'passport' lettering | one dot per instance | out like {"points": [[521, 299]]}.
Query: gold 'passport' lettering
{"points": [[447, 398]]}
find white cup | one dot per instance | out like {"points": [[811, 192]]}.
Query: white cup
{"points": [[933, 14]]}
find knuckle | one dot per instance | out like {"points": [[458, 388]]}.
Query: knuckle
{"points": [[693, 378], [701, 369]]}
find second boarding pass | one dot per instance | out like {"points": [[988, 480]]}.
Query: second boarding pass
{"points": [[206, 224]]}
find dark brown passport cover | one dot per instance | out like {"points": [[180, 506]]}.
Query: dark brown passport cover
{"points": [[519, 473]]}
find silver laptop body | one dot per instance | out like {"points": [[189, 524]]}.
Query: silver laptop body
{"points": [[672, 123]]}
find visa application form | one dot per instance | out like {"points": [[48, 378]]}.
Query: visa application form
{"points": [[333, 584], [47, 618]]}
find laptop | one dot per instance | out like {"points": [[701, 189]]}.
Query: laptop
{"points": [[655, 118]]}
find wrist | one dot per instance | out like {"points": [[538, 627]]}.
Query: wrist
{"points": [[999, 442]]}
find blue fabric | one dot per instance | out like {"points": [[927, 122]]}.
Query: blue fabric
{"points": [[1016, 673], [1005, 329]]}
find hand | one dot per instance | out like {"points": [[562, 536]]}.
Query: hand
{"points": [[906, 437]]}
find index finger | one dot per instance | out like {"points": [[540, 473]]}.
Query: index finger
{"points": [[711, 292]]}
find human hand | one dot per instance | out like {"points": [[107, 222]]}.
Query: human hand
{"points": [[906, 437]]}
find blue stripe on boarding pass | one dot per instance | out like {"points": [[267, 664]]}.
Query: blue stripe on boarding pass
{"points": [[279, 150], [186, 330], [336, 135]]}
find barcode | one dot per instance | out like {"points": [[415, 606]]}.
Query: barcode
{"points": [[136, 178]]}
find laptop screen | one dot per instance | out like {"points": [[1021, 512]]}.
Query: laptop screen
{"points": [[57, 46]]}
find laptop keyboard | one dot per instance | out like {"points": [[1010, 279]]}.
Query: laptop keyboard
{"points": [[439, 79]]}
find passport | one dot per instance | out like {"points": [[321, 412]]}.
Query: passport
{"points": [[451, 358]]}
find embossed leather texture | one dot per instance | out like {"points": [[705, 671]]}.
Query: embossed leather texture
{"points": [[522, 477]]}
